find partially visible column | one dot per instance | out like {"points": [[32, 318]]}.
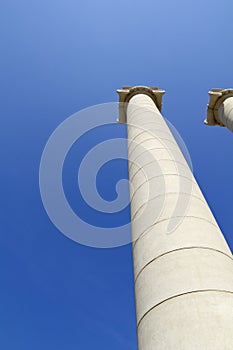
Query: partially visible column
{"points": [[183, 276], [220, 108]]}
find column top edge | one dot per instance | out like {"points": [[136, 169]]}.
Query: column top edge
{"points": [[127, 92]]}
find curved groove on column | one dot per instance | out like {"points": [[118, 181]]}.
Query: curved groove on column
{"points": [[151, 151], [177, 250], [149, 228], [180, 272], [164, 195], [145, 131], [185, 166], [182, 294], [192, 321], [156, 177], [151, 138]]}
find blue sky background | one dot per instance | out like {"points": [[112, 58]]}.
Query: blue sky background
{"points": [[58, 57]]}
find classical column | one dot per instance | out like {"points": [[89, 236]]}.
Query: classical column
{"points": [[220, 108], [183, 267]]}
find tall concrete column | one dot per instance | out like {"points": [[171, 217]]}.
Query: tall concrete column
{"points": [[183, 267], [220, 108]]}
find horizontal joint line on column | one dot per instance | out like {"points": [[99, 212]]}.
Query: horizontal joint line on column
{"points": [[180, 295], [132, 140], [152, 133], [177, 250], [159, 124], [154, 139], [164, 195], [158, 160], [163, 175], [166, 219], [153, 149]]}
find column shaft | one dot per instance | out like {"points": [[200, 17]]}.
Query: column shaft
{"points": [[183, 267]]}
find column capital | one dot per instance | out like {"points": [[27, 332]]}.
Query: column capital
{"points": [[217, 97], [127, 92]]}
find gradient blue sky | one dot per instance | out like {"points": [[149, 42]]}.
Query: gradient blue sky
{"points": [[58, 57]]}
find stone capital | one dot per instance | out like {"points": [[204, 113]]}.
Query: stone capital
{"points": [[217, 97], [127, 92]]}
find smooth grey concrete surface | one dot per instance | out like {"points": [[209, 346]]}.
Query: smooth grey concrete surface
{"points": [[183, 267]]}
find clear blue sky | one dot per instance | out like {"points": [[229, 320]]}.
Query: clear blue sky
{"points": [[57, 57]]}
